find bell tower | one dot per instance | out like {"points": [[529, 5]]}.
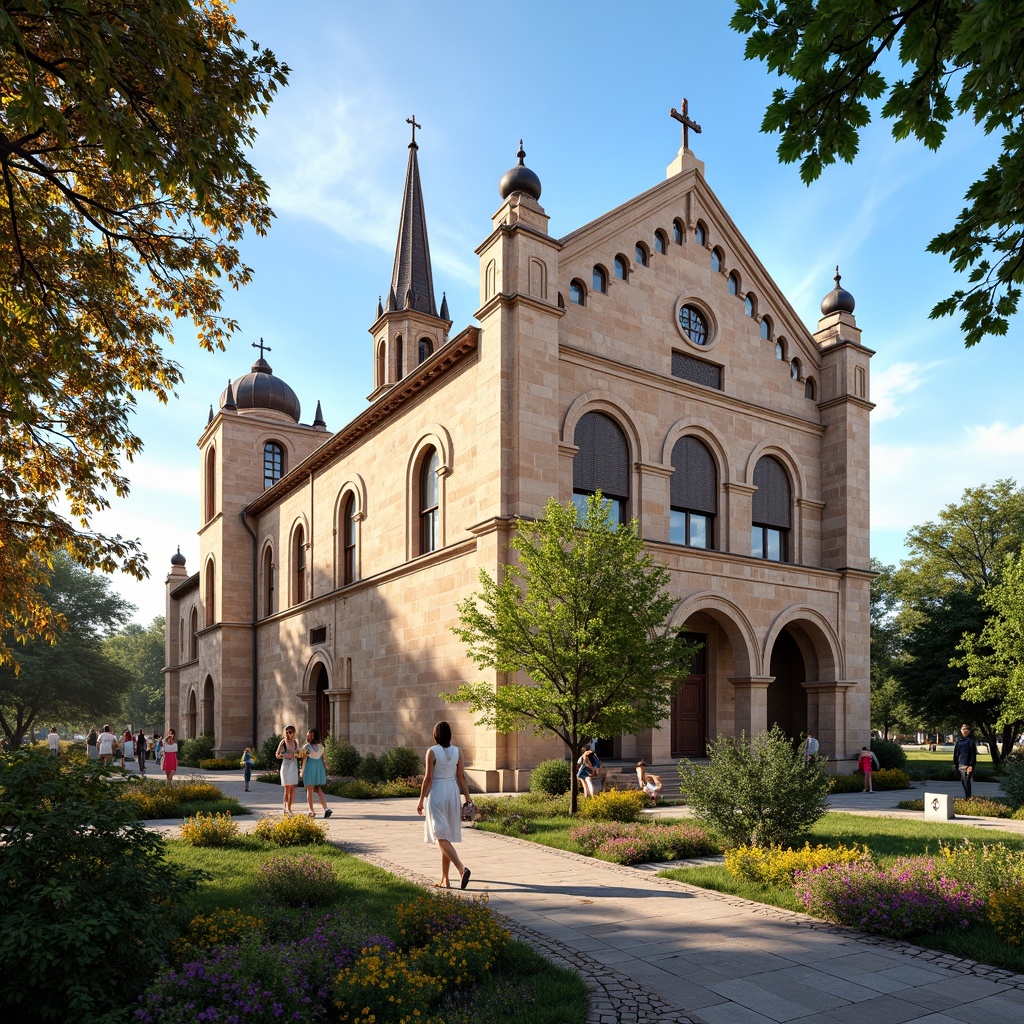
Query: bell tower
{"points": [[408, 329]]}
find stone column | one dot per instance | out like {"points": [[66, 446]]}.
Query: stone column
{"points": [[826, 718], [750, 697]]}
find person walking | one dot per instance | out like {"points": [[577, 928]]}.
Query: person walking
{"points": [[288, 755], [314, 772], [158, 748], [866, 762], [127, 746], [106, 744], [811, 747], [965, 758], [586, 770], [140, 751], [170, 763], [247, 763], [444, 779], [90, 745], [53, 739]]}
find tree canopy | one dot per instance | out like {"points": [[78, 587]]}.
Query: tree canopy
{"points": [[582, 613], [125, 187], [960, 58], [69, 679], [139, 651]]}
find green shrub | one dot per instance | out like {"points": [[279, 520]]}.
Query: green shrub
{"points": [[274, 778], [401, 763], [986, 866], [613, 805], [763, 794], [340, 757], [1012, 778], [354, 790], [218, 764], [886, 778], [297, 881], [209, 830], [371, 769], [648, 842], [195, 750], [776, 866], [76, 864], [1005, 911], [297, 830], [551, 777], [889, 753], [266, 758], [977, 805], [399, 787]]}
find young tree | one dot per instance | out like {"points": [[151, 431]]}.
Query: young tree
{"points": [[124, 190], [139, 651], [832, 50], [582, 613], [70, 679]]}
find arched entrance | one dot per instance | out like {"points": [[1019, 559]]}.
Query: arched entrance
{"points": [[787, 698], [191, 716], [322, 703], [208, 707], [689, 714]]}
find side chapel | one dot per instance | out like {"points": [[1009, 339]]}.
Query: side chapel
{"points": [[647, 354]]}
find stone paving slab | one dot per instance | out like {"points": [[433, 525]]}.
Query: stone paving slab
{"points": [[655, 951]]}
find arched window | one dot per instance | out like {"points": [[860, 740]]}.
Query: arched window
{"points": [[399, 354], [694, 494], [749, 306], [577, 293], [347, 530], [426, 349], [429, 502], [694, 324], [268, 580], [769, 531], [734, 283], [273, 463], [621, 267], [794, 369], [678, 232], [766, 328], [641, 254], [660, 241], [809, 390], [299, 566], [193, 627], [601, 464], [211, 483], [780, 349], [600, 280], [700, 235], [716, 259], [382, 364], [209, 599], [181, 638]]}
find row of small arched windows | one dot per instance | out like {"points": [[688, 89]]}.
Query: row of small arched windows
{"points": [[424, 349]]}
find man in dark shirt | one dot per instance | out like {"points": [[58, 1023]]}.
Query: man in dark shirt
{"points": [[965, 757]]}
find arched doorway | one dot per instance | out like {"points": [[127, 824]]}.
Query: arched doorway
{"points": [[689, 714], [787, 698], [208, 707], [322, 701], [191, 716]]}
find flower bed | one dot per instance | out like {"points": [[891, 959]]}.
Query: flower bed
{"points": [[777, 866], [640, 843]]}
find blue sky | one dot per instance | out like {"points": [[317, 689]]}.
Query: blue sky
{"points": [[588, 88]]}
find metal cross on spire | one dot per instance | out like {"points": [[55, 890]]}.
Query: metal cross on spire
{"points": [[684, 117], [261, 347], [412, 121]]}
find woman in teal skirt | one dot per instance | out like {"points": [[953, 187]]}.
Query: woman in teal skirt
{"points": [[314, 774]]}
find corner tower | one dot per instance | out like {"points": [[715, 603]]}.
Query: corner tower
{"points": [[408, 329]]}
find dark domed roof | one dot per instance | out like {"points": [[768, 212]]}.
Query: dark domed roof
{"points": [[837, 300], [178, 559], [260, 389], [520, 179]]}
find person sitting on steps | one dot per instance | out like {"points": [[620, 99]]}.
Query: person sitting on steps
{"points": [[649, 783]]}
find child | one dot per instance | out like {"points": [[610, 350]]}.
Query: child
{"points": [[866, 762], [247, 766]]}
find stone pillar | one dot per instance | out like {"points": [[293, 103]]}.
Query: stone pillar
{"points": [[737, 518], [750, 694], [826, 718]]}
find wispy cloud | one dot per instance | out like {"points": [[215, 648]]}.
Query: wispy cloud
{"points": [[894, 383]]}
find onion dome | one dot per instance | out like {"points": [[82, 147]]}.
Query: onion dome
{"points": [[260, 389], [178, 559], [520, 179], [839, 300]]}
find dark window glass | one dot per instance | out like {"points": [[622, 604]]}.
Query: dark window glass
{"points": [[766, 329], [576, 293], [748, 306], [426, 349], [660, 242], [809, 388], [601, 464], [193, 647], [621, 268], [693, 324], [716, 260], [678, 235], [429, 503], [699, 235], [771, 512], [399, 368], [268, 582], [300, 565], [641, 254], [693, 493], [273, 463], [600, 280], [348, 533], [734, 284]]}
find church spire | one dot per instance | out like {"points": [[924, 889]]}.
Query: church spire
{"points": [[412, 283]]}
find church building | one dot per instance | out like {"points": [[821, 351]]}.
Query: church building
{"points": [[648, 355]]}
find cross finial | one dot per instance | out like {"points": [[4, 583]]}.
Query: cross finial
{"points": [[684, 117], [261, 347], [412, 121], [837, 278]]}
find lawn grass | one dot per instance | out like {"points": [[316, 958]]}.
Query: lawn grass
{"points": [[523, 987], [944, 755]]}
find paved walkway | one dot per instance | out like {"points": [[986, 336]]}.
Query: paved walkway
{"points": [[655, 951]]}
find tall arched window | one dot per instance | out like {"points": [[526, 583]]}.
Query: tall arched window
{"points": [[211, 483], [641, 254], [749, 305], [621, 267], [601, 464], [210, 596], [600, 280], [347, 530], [678, 233], [660, 241], [193, 627], [769, 531], [429, 502], [577, 293], [269, 583], [700, 235], [273, 463], [299, 566], [716, 259], [766, 328], [181, 638], [734, 283], [382, 365], [694, 494], [399, 353], [426, 349], [809, 388]]}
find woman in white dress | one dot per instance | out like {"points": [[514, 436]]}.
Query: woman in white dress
{"points": [[288, 755], [443, 781]]}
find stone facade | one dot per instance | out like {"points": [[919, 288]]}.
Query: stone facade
{"points": [[320, 600]]}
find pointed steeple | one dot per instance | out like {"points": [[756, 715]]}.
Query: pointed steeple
{"points": [[318, 419], [229, 403], [380, 308], [444, 306], [412, 273]]}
